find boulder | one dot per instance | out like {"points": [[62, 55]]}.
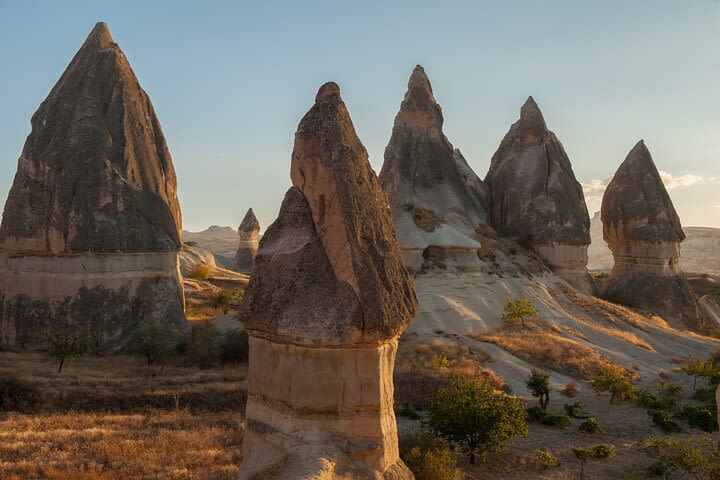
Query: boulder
{"points": [[248, 231], [437, 201], [535, 197], [191, 256], [643, 231], [326, 302], [91, 227]]}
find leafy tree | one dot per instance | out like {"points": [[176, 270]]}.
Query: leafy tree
{"points": [[669, 389], [224, 299], [539, 385], [63, 342], [613, 379], [152, 340], [205, 346], [600, 451], [591, 425], [696, 456], [546, 459], [471, 414], [695, 367], [519, 309]]}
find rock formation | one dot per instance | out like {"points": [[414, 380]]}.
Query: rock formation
{"points": [[535, 197], [91, 228], [191, 255], [643, 231], [437, 200], [248, 230], [326, 302]]}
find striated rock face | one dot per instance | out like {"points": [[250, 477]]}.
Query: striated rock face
{"points": [[248, 231], [326, 302], [190, 256], [437, 200], [534, 196], [92, 221], [643, 231]]}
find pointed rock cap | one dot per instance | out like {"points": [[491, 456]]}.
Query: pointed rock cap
{"points": [[531, 117], [419, 108], [249, 223], [351, 216], [636, 205], [97, 155]]}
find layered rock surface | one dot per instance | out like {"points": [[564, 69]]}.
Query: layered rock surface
{"points": [[437, 201], [643, 231], [248, 231], [326, 302], [91, 226], [535, 197]]}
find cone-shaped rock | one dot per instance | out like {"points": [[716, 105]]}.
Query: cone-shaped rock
{"points": [[436, 199], [326, 302], [92, 221], [642, 228], [534, 196], [248, 231]]}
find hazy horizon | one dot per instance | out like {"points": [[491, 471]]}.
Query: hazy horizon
{"points": [[229, 93]]}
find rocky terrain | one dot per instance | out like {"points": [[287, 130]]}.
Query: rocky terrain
{"points": [[92, 222], [222, 242]]}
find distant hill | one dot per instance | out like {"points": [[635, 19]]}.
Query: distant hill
{"points": [[222, 242], [700, 251]]}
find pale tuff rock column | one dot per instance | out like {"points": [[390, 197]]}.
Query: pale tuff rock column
{"points": [[437, 201], [534, 194], [91, 227], [326, 302], [643, 231], [248, 231]]}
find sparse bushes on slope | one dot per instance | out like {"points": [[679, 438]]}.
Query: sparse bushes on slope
{"points": [[697, 456], [546, 460], [704, 418], [428, 457], [570, 389], [601, 451], [539, 385], [471, 414], [575, 410], [200, 272], [591, 425], [518, 309], [613, 379], [664, 420]]}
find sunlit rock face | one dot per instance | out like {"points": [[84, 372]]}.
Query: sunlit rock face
{"points": [[91, 226], [325, 304], [437, 201], [248, 231], [535, 197], [643, 231]]}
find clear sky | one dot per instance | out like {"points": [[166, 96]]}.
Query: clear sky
{"points": [[231, 80]]}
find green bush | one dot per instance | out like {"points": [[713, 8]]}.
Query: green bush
{"points": [[648, 400], [205, 345], [518, 309], [200, 272], [17, 394], [535, 413], [697, 456], [472, 415], [669, 389], [602, 450], [704, 418], [575, 410], [428, 457], [556, 420], [591, 425], [539, 385], [234, 347], [704, 395], [152, 340], [408, 410], [63, 343], [664, 420], [224, 299], [615, 380], [658, 469], [546, 459]]}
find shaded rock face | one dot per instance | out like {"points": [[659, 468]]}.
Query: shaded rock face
{"points": [[191, 255], [94, 204], [426, 178], [248, 231], [325, 304], [534, 196], [643, 231]]}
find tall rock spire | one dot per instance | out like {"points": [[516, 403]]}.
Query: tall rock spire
{"points": [[93, 205], [325, 305], [437, 201], [643, 230], [248, 232], [534, 195]]}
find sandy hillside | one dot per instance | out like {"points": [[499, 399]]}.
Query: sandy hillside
{"points": [[220, 241]]}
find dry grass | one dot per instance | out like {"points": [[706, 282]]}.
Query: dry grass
{"points": [[116, 418], [418, 374], [623, 335], [426, 220], [547, 350]]}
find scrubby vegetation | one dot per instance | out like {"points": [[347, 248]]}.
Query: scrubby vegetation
{"points": [[696, 456], [615, 380], [518, 309], [428, 457], [539, 385], [200, 272]]}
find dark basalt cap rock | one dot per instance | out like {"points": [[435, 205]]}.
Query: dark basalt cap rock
{"points": [[352, 222], [249, 224], [533, 190], [95, 174], [421, 166], [636, 205]]}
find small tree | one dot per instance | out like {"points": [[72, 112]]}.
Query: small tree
{"points": [[695, 456], [200, 272], [64, 343], [224, 299], [539, 385], [599, 451], [613, 379], [695, 367], [152, 340], [471, 414], [519, 309]]}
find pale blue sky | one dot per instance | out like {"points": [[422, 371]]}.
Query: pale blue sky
{"points": [[231, 80]]}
